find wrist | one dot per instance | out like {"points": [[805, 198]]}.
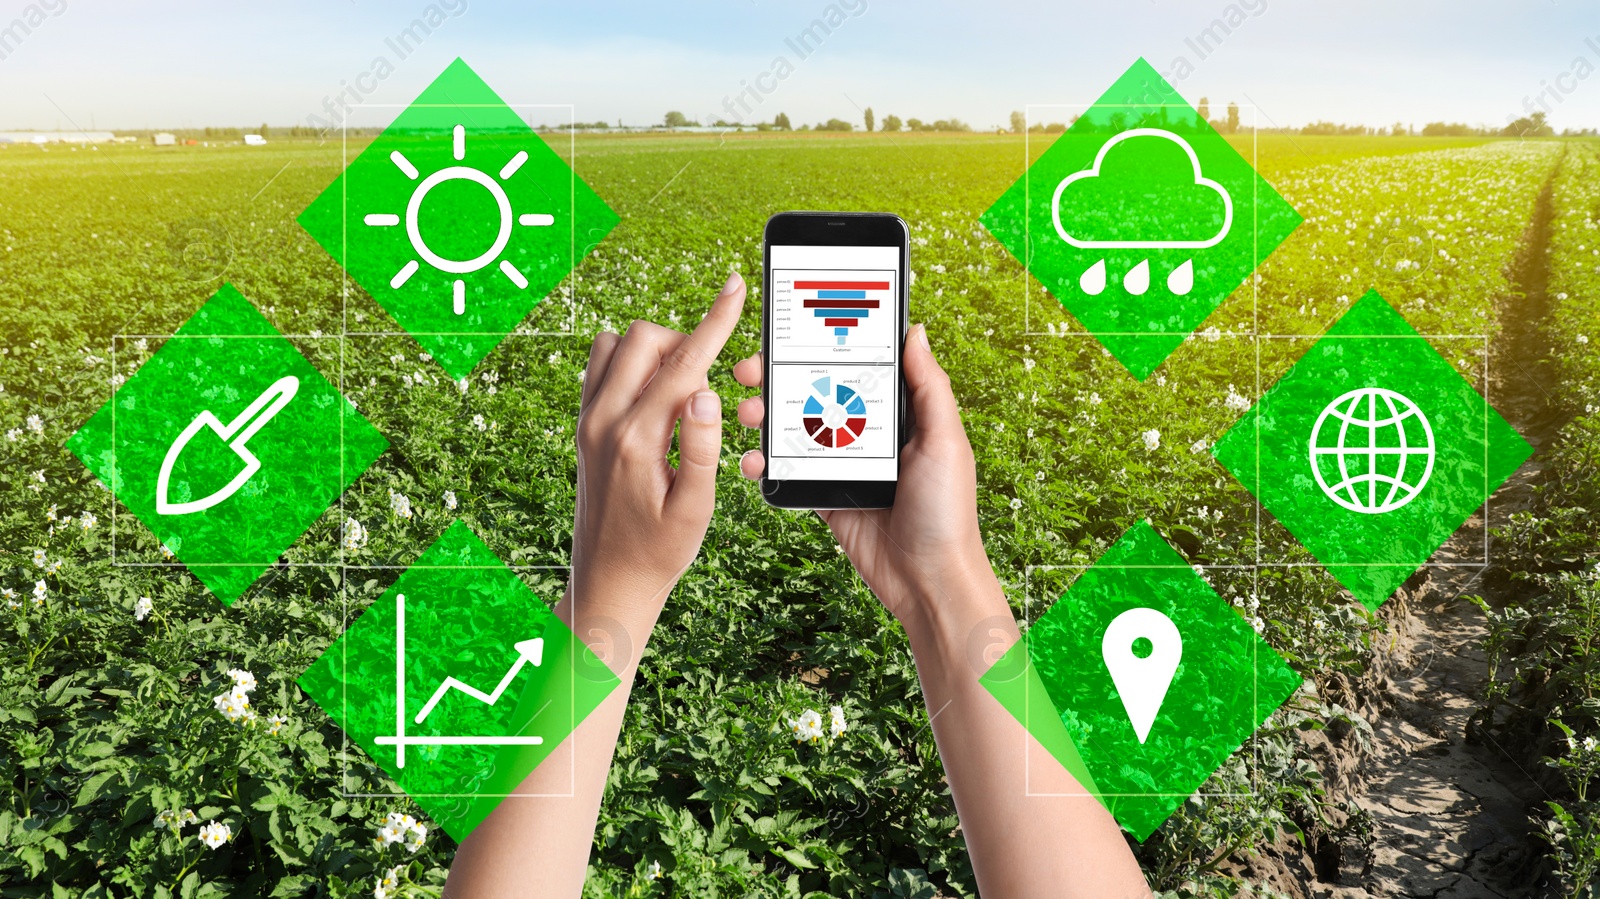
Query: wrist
{"points": [[961, 618], [612, 616]]}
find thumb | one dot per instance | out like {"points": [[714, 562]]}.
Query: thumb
{"points": [[932, 402], [694, 491]]}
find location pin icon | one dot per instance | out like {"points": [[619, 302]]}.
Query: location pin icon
{"points": [[1142, 682]]}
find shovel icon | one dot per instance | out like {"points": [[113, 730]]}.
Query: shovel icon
{"points": [[237, 433]]}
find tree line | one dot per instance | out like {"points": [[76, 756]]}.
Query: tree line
{"points": [[1533, 125]]}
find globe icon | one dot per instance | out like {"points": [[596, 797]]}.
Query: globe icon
{"points": [[1372, 450]]}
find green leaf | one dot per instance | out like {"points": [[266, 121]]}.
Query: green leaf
{"points": [[91, 788], [796, 858]]}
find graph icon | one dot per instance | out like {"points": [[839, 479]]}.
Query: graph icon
{"points": [[840, 304], [834, 416], [528, 651]]}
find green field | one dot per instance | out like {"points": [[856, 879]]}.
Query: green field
{"points": [[106, 721]]}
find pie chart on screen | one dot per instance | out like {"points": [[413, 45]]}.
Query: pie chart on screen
{"points": [[834, 416]]}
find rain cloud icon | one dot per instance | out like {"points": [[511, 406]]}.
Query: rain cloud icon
{"points": [[1142, 201]]}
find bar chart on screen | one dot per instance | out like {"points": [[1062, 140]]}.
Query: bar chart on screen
{"points": [[833, 313]]}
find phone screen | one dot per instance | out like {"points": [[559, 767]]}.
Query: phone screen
{"points": [[834, 345]]}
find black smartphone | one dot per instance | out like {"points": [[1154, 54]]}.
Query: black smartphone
{"points": [[833, 324]]}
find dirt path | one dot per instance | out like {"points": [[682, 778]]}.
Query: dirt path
{"points": [[1450, 809]]}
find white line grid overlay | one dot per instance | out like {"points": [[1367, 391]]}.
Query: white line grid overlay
{"points": [[1068, 328], [344, 564], [400, 739]]}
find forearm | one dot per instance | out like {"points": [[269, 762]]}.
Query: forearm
{"points": [[1024, 836], [537, 842]]}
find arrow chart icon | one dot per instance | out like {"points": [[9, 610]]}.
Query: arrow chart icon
{"points": [[528, 652], [237, 433]]}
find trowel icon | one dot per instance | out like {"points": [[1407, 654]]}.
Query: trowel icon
{"points": [[237, 433]]}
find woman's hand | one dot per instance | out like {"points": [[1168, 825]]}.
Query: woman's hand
{"points": [[639, 525], [639, 521], [928, 544], [1030, 827]]}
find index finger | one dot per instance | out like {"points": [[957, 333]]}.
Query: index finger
{"points": [[684, 371]]}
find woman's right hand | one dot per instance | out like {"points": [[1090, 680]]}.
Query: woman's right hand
{"points": [[927, 548]]}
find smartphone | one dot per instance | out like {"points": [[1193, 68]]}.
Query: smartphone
{"points": [[833, 325]]}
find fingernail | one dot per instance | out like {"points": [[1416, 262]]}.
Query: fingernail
{"points": [[922, 336], [733, 283], [705, 406]]}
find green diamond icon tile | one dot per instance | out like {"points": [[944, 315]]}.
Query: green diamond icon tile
{"points": [[458, 219], [1155, 679], [227, 444], [458, 681], [1372, 450], [1141, 219]]}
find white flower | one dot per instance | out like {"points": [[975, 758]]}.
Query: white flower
{"points": [[654, 871], [401, 828], [214, 834], [391, 879], [10, 597], [399, 504], [39, 592], [1199, 446], [38, 476], [1094, 399], [233, 705], [836, 721], [807, 728], [53, 567], [1027, 365], [13, 434], [38, 558], [1583, 338], [390, 833], [275, 724], [355, 536], [1235, 400], [450, 500], [87, 520], [142, 608], [380, 893], [1211, 334], [35, 424], [242, 679], [51, 515], [1152, 439], [1016, 503], [477, 422], [175, 819], [1590, 744]]}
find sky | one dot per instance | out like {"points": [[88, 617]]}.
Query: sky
{"points": [[109, 64]]}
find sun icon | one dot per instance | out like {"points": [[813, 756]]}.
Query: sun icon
{"points": [[454, 173]]}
